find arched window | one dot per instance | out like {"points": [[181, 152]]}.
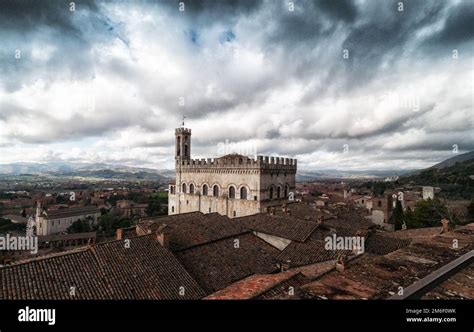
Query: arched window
{"points": [[215, 191], [184, 188], [178, 150], [204, 190], [278, 191], [191, 188], [286, 191], [231, 192], [243, 193], [172, 209], [271, 192], [172, 190]]}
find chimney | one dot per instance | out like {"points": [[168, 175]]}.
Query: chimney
{"points": [[285, 265], [162, 237], [320, 220], [119, 233], [445, 228], [340, 263]]}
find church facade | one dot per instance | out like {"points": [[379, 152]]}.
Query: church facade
{"points": [[233, 185]]}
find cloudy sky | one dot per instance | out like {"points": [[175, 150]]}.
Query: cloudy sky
{"points": [[348, 85]]}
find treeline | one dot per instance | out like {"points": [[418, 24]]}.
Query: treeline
{"points": [[428, 213], [108, 223], [456, 181]]}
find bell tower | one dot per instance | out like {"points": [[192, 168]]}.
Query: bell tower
{"points": [[183, 144], [182, 154]]}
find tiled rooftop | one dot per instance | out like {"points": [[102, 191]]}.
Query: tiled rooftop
{"points": [[379, 276], [191, 229], [70, 212], [260, 286], [108, 270], [218, 264]]}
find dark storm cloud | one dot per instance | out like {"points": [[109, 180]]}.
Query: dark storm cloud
{"points": [[27, 15], [342, 9], [211, 11], [282, 50], [26, 24], [459, 25]]}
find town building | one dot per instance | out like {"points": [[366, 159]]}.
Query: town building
{"points": [[58, 221], [128, 208], [233, 185]]}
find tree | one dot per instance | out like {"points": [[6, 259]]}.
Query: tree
{"points": [[378, 187], [108, 224], [397, 216], [8, 226], [470, 210], [80, 226], [155, 205], [427, 214]]}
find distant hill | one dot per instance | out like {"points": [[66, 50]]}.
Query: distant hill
{"points": [[446, 163], [455, 177], [89, 170], [304, 175], [452, 161]]}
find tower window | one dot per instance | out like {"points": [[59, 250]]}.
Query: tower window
{"points": [[271, 192], [184, 188], [172, 209], [243, 193], [191, 188], [178, 152], [231, 192], [204, 190], [278, 192], [215, 191]]}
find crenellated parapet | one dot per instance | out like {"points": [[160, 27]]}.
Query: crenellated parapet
{"points": [[182, 130], [240, 162]]}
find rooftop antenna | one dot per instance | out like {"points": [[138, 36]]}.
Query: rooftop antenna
{"points": [[183, 120]]}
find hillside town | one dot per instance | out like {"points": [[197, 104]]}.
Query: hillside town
{"points": [[256, 235]]}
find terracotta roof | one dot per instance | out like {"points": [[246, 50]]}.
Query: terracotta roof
{"points": [[145, 270], [260, 286], [302, 211], [382, 245], [282, 290], [218, 264], [64, 237], [375, 276], [287, 227], [309, 252], [348, 219], [108, 270], [70, 212], [459, 286], [53, 276], [191, 229]]}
